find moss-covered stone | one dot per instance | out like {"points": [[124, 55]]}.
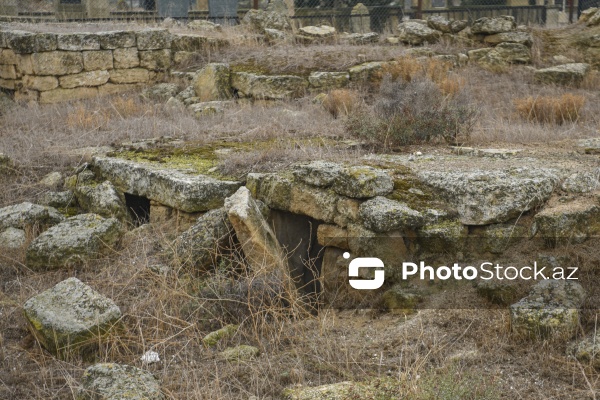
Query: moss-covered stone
{"points": [[239, 353], [215, 337]]}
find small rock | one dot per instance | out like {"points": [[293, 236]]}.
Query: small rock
{"points": [[70, 316], [322, 31], [240, 353], [363, 182], [62, 199], [12, 238], [29, 216], [383, 215], [587, 351], [215, 337], [566, 74], [52, 180], [489, 26], [161, 92], [109, 381], [103, 199], [150, 357]]}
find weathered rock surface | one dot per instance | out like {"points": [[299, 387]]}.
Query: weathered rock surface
{"points": [[176, 189], [566, 74], [383, 215], [489, 26], [260, 20], [549, 311], [485, 197], [212, 82], [416, 33], [198, 245], [62, 199], [369, 72], [328, 80], [109, 381], [273, 87], [259, 243], [242, 352], [207, 107], [102, 199], [317, 173], [215, 337], [12, 238], [567, 223], [523, 38], [587, 350], [582, 182], [363, 182], [322, 31], [360, 38], [334, 391], [75, 240], [28, 215], [161, 92], [70, 317]]}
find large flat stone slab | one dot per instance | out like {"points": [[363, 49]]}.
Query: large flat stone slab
{"points": [[70, 315], [484, 197], [173, 188]]}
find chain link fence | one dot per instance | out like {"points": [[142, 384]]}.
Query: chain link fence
{"points": [[374, 15]]}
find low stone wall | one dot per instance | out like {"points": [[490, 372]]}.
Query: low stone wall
{"points": [[51, 67]]}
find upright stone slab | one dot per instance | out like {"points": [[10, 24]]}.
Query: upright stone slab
{"points": [[259, 243], [173, 188], [70, 317], [212, 82], [360, 20]]}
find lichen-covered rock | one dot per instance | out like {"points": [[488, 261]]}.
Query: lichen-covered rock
{"points": [[242, 352], [566, 74], [563, 223], [439, 23], [383, 215], [198, 245], [369, 72], [272, 189], [12, 238], [116, 40], [215, 337], [362, 182], [271, 87], [70, 317], [498, 292], [207, 107], [497, 238], [587, 350], [442, 237], [549, 311], [524, 38], [78, 239], [259, 243], [62, 199], [212, 82], [161, 92], [399, 300], [275, 35], [109, 381], [103, 199], [173, 188], [486, 197], [322, 31], [334, 391], [203, 25], [153, 39], [52, 180], [490, 26], [28, 43], [28, 215], [514, 53], [416, 33], [78, 41], [359, 38], [328, 80], [260, 20], [317, 173], [582, 182]]}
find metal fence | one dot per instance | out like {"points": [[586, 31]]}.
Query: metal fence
{"points": [[374, 15]]}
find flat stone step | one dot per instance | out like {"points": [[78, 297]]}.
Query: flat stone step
{"points": [[174, 188]]}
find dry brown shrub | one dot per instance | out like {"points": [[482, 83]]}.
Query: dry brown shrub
{"points": [[451, 85], [438, 71], [341, 102], [84, 118], [550, 109]]}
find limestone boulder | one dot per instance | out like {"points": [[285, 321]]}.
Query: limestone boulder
{"points": [[490, 26], [199, 245], [29, 216], [69, 317], [380, 214], [259, 20], [439, 23], [109, 381], [565, 74], [328, 80], [57, 63], [366, 73], [416, 33], [203, 25], [207, 107], [485, 197], [153, 39], [563, 223], [334, 391], [76, 240], [587, 350], [549, 311], [271, 87], [212, 82], [524, 38], [582, 182], [12, 238], [102, 199], [259, 243], [362, 182], [62, 199], [93, 78], [28, 43], [317, 173], [116, 40], [176, 189], [155, 60], [359, 38], [78, 41], [161, 92], [514, 53]]}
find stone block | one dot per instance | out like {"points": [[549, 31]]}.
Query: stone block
{"points": [[57, 63], [126, 58], [97, 60]]}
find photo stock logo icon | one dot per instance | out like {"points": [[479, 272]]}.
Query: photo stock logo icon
{"points": [[365, 262]]}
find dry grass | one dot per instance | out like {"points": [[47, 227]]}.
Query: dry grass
{"points": [[341, 102], [551, 109]]}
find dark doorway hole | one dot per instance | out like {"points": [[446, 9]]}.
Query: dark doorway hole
{"points": [[298, 236], [139, 208]]}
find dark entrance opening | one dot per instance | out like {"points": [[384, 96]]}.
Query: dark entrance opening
{"points": [[297, 234], [139, 208]]}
